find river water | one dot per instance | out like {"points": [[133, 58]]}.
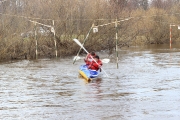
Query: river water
{"points": [[146, 86]]}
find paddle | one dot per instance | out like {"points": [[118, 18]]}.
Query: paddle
{"points": [[76, 58], [105, 60], [77, 41]]}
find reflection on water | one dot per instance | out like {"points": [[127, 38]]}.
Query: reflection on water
{"points": [[146, 86]]}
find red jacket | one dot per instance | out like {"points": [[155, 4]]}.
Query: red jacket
{"points": [[88, 59], [94, 65]]}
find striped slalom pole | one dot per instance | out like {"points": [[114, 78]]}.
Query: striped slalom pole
{"points": [[170, 36], [83, 42], [170, 41]]}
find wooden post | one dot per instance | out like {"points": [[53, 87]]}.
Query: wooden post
{"points": [[53, 30], [35, 31], [117, 43]]}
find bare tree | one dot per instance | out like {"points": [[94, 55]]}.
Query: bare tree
{"points": [[144, 4]]}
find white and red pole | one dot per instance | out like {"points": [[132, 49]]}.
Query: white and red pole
{"points": [[170, 42], [170, 36]]}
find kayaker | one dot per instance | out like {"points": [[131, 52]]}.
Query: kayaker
{"points": [[88, 59], [96, 64]]}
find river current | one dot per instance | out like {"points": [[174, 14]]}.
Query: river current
{"points": [[146, 86]]}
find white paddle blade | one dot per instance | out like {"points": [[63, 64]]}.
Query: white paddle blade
{"points": [[77, 41], [105, 60], [76, 58]]}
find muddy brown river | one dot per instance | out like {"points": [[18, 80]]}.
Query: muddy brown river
{"points": [[145, 87]]}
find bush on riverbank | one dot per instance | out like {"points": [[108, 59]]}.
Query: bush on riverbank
{"points": [[73, 19]]}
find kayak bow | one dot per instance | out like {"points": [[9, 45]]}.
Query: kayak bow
{"points": [[88, 74]]}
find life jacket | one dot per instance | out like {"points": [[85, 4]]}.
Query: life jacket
{"points": [[88, 59], [94, 65]]}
